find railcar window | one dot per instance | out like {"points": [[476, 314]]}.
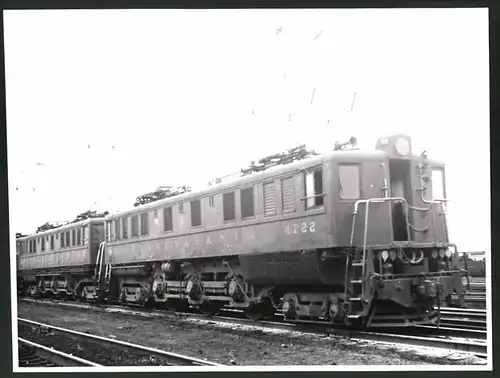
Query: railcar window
{"points": [[195, 213], [181, 207], [79, 236], [117, 229], [288, 195], [437, 183], [43, 244], [73, 237], [135, 226], [168, 224], [51, 242], [349, 181], [62, 240], [155, 214], [84, 234], [246, 199], [229, 208], [67, 239], [313, 188], [108, 231], [269, 199], [144, 224], [125, 227], [211, 201]]}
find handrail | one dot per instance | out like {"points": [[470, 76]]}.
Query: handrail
{"points": [[97, 261], [365, 236], [375, 200], [101, 260]]}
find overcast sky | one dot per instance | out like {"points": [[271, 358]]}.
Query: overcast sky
{"points": [[175, 97]]}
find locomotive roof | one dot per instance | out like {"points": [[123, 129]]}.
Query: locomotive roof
{"points": [[63, 228], [347, 156]]}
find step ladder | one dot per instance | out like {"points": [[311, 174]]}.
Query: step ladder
{"points": [[107, 276], [99, 263], [356, 280], [355, 302]]}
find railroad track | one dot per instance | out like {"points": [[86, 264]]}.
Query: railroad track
{"points": [[420, 335], [463, 319], [165, 358], [36, 355]]}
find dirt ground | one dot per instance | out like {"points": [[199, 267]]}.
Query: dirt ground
{"points": [[88, 350], [236, 344]]}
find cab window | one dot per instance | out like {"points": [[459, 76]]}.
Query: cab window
{"points": [[437, 183], [313, 183], [349, 181]]}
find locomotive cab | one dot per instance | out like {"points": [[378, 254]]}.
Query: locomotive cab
{"points": [[403, 281]]}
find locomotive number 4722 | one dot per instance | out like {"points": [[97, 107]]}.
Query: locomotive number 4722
{"points": [[300, 228]]}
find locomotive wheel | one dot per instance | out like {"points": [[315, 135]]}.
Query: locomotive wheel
{"points": [[176, 305], [259, 311], [210, 309], [33, 290], [254, 312]]}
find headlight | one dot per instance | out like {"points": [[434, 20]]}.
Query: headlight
{"points": [[385, 255], [441, 253], [448, 253], [434, 254], [402, 146], [393, 255]]}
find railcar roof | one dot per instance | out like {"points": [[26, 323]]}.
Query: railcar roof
{"points": [[276, 171], [63, 228]]}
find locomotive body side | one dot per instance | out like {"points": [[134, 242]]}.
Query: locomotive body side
{"points": [[149, 240], [327, 237], [61, 261], [233, 221]]}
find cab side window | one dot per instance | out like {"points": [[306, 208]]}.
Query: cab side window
{"points": [[437, 178], [313, 184]]}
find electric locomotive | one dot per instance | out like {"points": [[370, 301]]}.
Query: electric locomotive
{"points": [[348, 237], [61, 261]]}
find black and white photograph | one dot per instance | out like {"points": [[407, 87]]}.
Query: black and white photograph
{"points": [[250, 190]]}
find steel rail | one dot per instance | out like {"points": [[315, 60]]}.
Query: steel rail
{"points": [[173, 358], [464, 346], [322, 328], [55, 356]]}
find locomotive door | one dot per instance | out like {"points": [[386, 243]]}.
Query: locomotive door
{"points": [[430, 224], [400, 186]]}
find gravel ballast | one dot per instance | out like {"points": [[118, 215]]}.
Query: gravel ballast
{"points": [[217, 342]]}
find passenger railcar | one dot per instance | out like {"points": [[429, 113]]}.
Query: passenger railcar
{"points": [[348, 236], [61, 261]]}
